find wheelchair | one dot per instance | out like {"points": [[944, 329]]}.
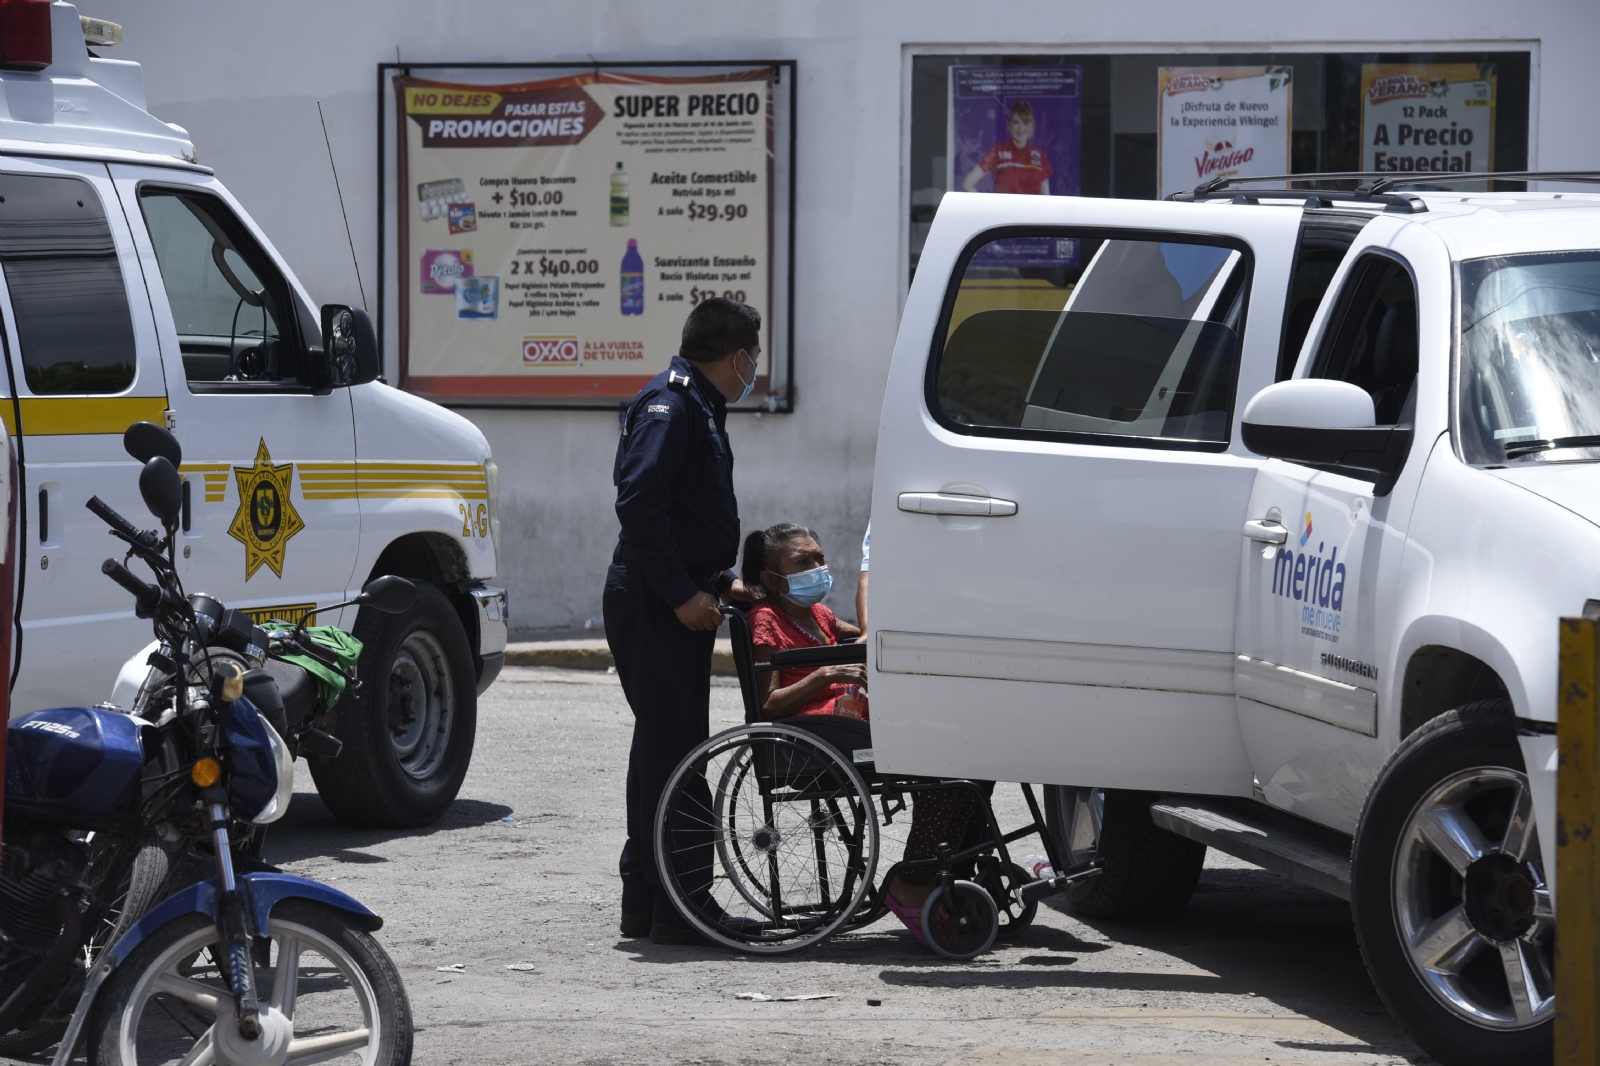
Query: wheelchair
{"points": [[769, 834]]}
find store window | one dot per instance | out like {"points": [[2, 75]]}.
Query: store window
{"points": [[1143, 126]]}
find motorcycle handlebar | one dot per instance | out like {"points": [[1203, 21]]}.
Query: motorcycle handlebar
{"points": [[146, 596], [115, 521]]}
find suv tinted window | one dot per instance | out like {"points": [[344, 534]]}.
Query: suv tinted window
{"points": [[233, 310], [1325, 237], [1372, 341], [1136, 343], [66, 286]]}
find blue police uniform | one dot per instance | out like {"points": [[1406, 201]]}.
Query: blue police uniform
{"points": [[680, 536]]}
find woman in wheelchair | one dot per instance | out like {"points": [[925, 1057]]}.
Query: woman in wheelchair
{"points": [[785, 567]]}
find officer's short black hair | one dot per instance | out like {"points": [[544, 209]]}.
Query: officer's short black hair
{"points": [[762, 545], [718, 326]]}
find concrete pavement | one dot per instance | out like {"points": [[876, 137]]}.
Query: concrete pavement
{"points": [[516, 886]]}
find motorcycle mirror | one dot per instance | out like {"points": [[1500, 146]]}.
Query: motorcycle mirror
{"points": [[162, 490], [390, 594], [146, 440]]}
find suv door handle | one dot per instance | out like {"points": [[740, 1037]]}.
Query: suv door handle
{"points": [[1266, 531], [953, 503]]}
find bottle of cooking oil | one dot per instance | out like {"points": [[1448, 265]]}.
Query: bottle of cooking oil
{"points": [[619, 196]]}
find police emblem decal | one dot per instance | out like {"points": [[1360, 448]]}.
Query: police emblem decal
{"points": [[266, 517]]}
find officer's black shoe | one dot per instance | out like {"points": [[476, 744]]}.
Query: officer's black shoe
{"points": [[636, 925], [662, 933]]}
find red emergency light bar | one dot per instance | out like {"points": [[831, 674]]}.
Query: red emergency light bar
{"points": [[25, 34]]}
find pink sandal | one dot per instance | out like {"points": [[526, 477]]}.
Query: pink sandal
{"points": [[911, 916]]}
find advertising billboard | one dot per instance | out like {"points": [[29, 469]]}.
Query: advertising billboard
{"points": [[553, 233]]}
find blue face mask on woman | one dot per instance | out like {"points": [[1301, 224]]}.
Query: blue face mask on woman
{"points": [[809, 586]]}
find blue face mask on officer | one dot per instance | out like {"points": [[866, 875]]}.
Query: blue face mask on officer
{"points": [[749, 386], [808, 587]]}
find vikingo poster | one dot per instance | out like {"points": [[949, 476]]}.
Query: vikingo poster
{"points": [[1427, 117], [1219, 122], [555, 234]]}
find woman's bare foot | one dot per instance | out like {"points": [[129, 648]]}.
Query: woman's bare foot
{"points": [[909, 895]]}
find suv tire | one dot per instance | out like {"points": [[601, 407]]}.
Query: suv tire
{"points": [[1440, 946], [1149, 872], [408, 732]]}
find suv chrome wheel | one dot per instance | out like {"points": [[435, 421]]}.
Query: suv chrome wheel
{"points": [[1471, 900], [1448, 892]]}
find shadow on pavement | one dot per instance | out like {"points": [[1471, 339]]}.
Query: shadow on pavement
{"points": [[309, 830]]}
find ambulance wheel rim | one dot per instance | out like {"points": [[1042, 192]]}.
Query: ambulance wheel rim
{"points": [[421, 703]]}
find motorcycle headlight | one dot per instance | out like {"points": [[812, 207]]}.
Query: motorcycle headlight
{"points": [[278, 806]]}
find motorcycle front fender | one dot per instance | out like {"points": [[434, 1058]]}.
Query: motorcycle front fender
{"points": [[262, 892]]}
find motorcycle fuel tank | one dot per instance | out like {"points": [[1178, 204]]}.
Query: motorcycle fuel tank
{"points": [[71, 762]]}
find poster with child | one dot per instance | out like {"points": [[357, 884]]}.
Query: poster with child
{"points": [[1016, 130]]}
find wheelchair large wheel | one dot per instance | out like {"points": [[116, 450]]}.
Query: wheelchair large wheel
{"points": [[781, 854]]}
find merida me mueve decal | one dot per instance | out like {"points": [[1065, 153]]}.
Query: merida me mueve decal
{"points": [[1316, 582]]}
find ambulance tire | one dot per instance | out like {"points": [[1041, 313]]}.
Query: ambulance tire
{"points": [[1149, 872], [408, 732]]}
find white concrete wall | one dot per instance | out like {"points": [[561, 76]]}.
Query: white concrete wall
{"points": [[245, 80]]}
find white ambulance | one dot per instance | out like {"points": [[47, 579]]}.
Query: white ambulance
{"points": [[133, 287]]}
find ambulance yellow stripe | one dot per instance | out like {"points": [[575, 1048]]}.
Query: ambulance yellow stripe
{"points": [[215, 475], [58, 416], [320, 480]]}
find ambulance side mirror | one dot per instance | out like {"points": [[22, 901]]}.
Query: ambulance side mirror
{"points": [[350, 344]]}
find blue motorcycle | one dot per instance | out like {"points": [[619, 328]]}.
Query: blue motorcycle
{"points": [[104, 808]]}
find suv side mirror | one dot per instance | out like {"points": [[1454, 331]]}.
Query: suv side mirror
{"points": [[351, 344], [1327, 425]]}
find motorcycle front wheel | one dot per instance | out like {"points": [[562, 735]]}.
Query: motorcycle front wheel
{"points": [[328, 992]]}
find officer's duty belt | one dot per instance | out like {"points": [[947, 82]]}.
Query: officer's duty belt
{"points": [[711, 574]]}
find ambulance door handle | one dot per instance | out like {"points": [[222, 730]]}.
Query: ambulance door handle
{"points": [[954, 503], [1266, 531]]}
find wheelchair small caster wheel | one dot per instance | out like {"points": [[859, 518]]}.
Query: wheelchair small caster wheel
{"points": [[1004, 882], [962, 923]]}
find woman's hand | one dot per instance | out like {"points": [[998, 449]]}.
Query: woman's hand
{"points": [[848, 674]]}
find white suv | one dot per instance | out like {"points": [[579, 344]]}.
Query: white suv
{"points": [[1338, 662], [133, 287]]}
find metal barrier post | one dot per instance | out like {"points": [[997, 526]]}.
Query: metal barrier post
{"points": [[1577, 1041]]}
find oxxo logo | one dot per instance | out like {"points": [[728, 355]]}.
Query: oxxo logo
{"points": [[550, 351]]}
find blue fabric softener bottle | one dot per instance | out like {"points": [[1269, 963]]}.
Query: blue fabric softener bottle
{"points": [[632, 280]]}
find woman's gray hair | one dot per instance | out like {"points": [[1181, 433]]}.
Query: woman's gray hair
{"points": [[760, 546]]}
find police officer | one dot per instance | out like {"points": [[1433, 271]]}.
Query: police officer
{"points": [[673, 560]]}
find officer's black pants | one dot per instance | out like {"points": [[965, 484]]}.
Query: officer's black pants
{"points": [[665, 669]]}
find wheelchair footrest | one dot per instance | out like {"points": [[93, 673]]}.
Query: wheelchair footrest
{"points": [[1049, 886]]}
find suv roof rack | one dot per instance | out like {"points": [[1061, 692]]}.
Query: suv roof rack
{"points": [[1373, 188]]}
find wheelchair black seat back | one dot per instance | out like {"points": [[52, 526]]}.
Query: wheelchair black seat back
{"points": [[769, 834]]}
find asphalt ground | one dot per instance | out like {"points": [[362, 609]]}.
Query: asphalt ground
{"points": [[521, 872]]}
